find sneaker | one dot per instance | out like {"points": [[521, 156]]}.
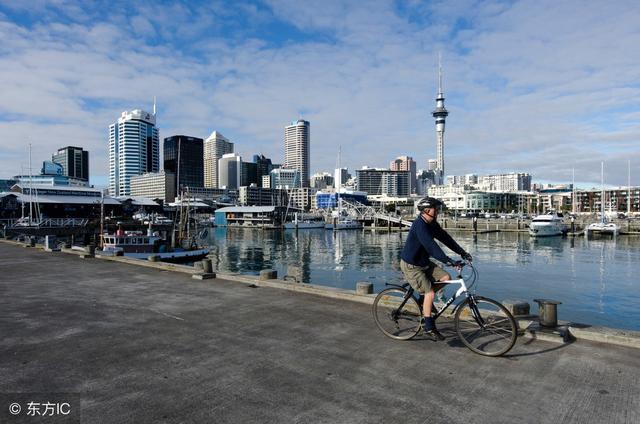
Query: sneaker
{"points": [[434, 335]]}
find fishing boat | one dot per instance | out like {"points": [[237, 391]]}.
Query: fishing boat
{"points": [[549, 224], [136, 244]]}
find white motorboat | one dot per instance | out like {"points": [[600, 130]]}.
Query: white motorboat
{"points": [[549, 224], [304, 222], [344, 223], [603, 227]]}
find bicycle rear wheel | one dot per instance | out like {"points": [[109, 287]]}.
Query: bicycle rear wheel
{"points": [[400, 323], [485, 326]]}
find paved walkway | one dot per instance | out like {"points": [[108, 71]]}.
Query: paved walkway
{"points": [[146, 346]]}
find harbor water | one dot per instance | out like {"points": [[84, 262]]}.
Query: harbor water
{"points": [[595, 279]]}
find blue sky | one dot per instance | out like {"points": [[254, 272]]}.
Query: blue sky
{"points": [[541, 87]]}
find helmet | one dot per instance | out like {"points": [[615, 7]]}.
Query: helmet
{"points": [[429, 202]]}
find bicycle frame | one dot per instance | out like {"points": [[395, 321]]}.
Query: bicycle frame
{"points": [[461, 290]]}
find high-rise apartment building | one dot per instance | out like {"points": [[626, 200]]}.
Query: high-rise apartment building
{"points": [[515, 181], [297, 138], [183, 156], [383, 182], [215, 146], [263, 167], [74, 161], [406, 163], [134, 149]]}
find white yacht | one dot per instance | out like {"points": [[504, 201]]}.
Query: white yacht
{"points": [[549, 224], [603, 226], [303, 222]]}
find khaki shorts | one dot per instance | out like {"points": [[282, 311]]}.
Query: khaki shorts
{"points": [[420, 277]]}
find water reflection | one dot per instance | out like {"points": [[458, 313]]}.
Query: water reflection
{"points": [[595, 279]]}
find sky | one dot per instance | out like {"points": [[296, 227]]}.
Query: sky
{"points": [[544, 87]]}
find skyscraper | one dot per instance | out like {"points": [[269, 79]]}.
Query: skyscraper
{"points": [[74, 161], [183, 156], [134, 149], [406, 163], [296, 149], [440, 114], [215, 146], [230, 171]]}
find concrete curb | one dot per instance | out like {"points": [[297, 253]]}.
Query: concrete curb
{"points": [[529, 326]]}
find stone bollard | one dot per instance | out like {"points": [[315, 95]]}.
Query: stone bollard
{"points": [[153, 258], [268, 274], [548, 312], [207, 268], [364, 287], [517, 307]]}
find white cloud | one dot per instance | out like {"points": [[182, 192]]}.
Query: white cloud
{"points": [[539, 87]]}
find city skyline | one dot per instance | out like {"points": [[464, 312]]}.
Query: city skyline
{"points": [[542, 88]]}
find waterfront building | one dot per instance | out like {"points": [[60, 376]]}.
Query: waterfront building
{"points": [[321, 181], [229, 171], [250, 216], [296, 149], [183, 157], [376, 181], [157, 185], [286, 178], [134, 149], [514, 181], [440, 114], [406, 163], [215, 194], [74, 161], [50, 180], [261, 196], [215, 146]]}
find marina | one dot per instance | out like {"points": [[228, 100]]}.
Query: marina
{"points": [[595, 278]]}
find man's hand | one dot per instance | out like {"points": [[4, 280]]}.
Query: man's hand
{"points": [[467, 257]]}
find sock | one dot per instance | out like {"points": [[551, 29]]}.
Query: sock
{"points": [[429, 324]]}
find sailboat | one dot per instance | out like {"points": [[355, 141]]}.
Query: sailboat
{"points": [[341, 220], [603, 226]]}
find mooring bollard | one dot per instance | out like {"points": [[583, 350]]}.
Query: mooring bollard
{"points": [[517, 307], [364, 287], [207, 267], [268, 274], [548, 312]]}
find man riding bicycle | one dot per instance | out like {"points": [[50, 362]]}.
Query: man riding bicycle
{"points": [[415, 262]]}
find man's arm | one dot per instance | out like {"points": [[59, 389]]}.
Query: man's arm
{"points": [[448, 241], [426, 239]]}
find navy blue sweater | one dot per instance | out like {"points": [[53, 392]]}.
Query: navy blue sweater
{"points": [[421, 243]]}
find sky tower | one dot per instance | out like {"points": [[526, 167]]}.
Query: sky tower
{"points": [[440, 114]]}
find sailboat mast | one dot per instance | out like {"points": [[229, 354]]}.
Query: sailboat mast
{"points": [[30, 189], [629, 189], [602, 195]]}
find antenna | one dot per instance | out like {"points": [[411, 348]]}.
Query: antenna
{"points": [[154, 105], [439, 72]]}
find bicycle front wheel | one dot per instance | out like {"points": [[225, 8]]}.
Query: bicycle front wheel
{"points": [[398, 320], [485, 326]]}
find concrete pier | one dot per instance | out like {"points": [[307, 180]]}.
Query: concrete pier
{"points": [[141, 344]]}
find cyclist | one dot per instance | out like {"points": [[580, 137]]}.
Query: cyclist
{"points": [[415, 261]]}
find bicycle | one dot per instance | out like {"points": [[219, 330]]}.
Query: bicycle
{"points": [[484, 325]]}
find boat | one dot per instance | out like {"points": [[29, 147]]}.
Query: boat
{"points": [[344, 223], [604, 226], [136, 244], [549, 224], [304, 222]]}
